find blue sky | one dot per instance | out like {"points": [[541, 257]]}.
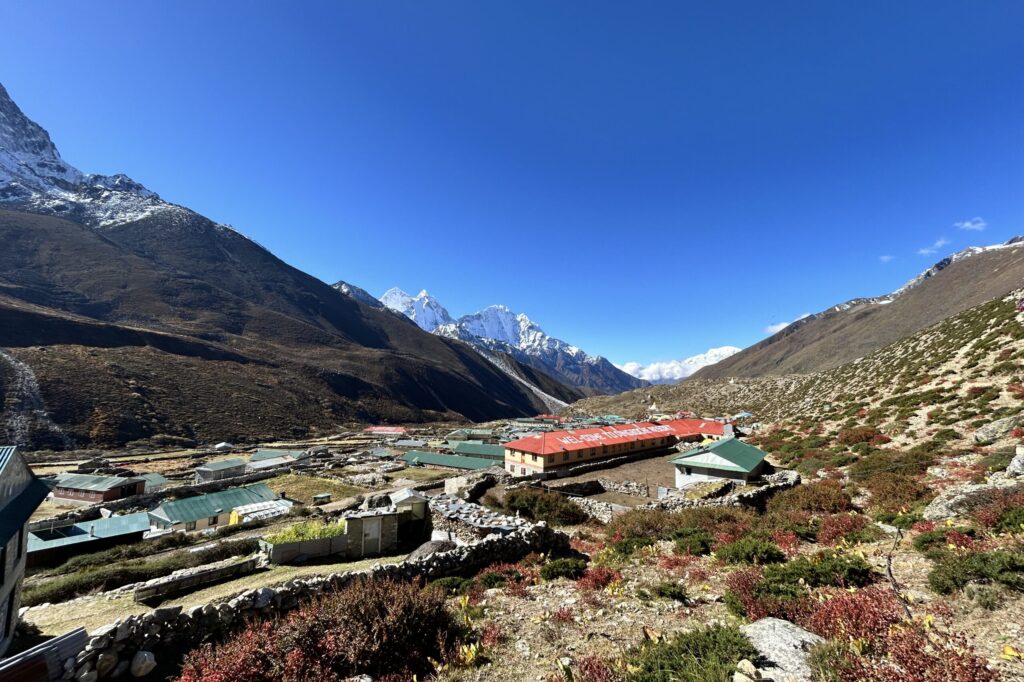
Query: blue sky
{"points": [[645, 180]]}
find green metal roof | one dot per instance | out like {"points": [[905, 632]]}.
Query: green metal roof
{"points": [[453, 461], [272, 454], [17, 511], [222, 465], [480, 450], [6, 452], [93, 482], [741, 456], [204, 506], [88, 531]]}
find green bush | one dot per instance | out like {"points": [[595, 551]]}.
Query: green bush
{"points": [[899, 520], [670, 590], [934, 541], [646, 523], [695, 541], [750, 550], [307, 530], [124, 552], [825, 569], [823, 497], [541, 505], [563, 568], [707, 654], [629, 546], [453, 585], [953, 572]]}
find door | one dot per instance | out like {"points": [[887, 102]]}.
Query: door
{"points": [[371, 535]]}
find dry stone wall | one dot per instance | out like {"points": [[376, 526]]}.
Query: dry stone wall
{"points": [[132, 645]]}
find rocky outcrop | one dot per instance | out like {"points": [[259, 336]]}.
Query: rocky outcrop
{"points": [[960, 499], [998, 429], [784, 646]]}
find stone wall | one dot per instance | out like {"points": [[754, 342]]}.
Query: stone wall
{"points": [[754, 498], [132, 644], [633, 488]]}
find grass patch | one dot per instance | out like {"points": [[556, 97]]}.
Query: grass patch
{"points": [[303, 488]]}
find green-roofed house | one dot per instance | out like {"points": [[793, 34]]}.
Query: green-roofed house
{"points": [[265, 453], [49, 545], [20, 493], [437, 459], [727, 458], [484, 450], [207, 511], [218, 471]]}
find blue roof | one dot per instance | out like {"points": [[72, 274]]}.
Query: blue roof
{"points": [[88, 531]]}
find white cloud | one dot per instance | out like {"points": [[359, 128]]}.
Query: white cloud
{"points": [[934, 248], [779, 326], [886, 259], [670, 371], [976, 223]]}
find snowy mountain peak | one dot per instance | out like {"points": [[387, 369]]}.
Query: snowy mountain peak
{"points": [[34, 177], [423, 309], [497, 328], [671, 371]]}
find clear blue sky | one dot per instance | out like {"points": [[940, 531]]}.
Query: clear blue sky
{"points": [[645, 180]]}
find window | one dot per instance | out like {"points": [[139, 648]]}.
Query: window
{"points": [[21, 542], [212, 521], [522, 471], [191, 525]]}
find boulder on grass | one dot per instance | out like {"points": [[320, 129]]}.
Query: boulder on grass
{"points": [[785, 646]]}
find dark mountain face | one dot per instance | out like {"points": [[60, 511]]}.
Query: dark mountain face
{"points": [[858, 328], [138, 319]]}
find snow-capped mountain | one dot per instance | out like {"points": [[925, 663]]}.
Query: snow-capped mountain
{"points": [[358, 293], [423, 309], [497, 329], [35, 177], [671, 371]]}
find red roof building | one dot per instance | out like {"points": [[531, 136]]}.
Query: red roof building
{"points": [[545, 452]]}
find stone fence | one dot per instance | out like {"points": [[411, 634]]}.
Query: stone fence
{"points": [[755, 498], [130, 645]]}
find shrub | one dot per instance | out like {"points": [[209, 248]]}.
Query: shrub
{"points": [[124, 552], [934, 542], [645, 523], [629, 546], [894, 491], [750, 550], [862, 615], [335, 637], [597, 578], [563, 568], [824, 497], [501, 574], [707, 654], [541, 505], [899, 519], [670, 590], [847, 528], [857, 434], [1003, 512], [307, 530], [891, 463], [453, 585], [953, 572], [695, 541]]}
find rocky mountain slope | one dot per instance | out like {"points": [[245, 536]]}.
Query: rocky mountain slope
{"points": [[950, 381], [140, 319], [497, 329], [861, 326]]}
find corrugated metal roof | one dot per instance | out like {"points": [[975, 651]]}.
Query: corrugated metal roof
{"points": [[88, 531], [480, 450], [260, 464], [262, 454], [453, 461], [203, 506], [741, 456], [406, 494], [221, 465], [6, 453], [581, 439], [153, 480], [17, 511], [93, 482]]}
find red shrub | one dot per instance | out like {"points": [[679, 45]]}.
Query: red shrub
{"points": [[743, 585], [787, 540], [989, 513], [594, 669], [1017, 432], [335, 637], [492, 636], [563, 615], [857, 434], [840, 526], [923, 527], [698, 574], [960, 541], [822, 497], [880, 439], [597, 578], [587, 547], [865, 614]]}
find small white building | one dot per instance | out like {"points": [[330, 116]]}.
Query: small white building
{"points": [[728, 458]]}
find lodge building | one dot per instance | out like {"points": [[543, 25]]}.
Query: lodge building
{"points": [[555, 452]]}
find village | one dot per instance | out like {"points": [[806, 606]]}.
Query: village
{"points": [[261, 514]]}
